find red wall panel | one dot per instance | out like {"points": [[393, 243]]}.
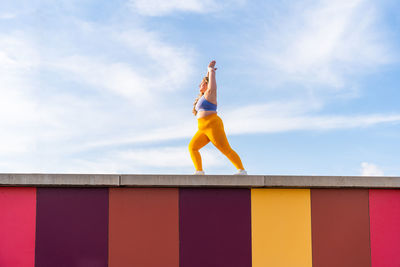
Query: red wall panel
{"points": [[143, 227], [340, 228]]}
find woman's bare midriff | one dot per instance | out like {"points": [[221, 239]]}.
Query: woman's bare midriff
{"points": [[212, 98], [204, 113]]}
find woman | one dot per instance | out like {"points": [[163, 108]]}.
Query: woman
{"points": [[210, 126]]}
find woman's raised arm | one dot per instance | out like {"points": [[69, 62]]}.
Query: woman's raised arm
{"points": [[212, 84]]}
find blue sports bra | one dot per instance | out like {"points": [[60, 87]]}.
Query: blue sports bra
{"points": [[203, 105]]}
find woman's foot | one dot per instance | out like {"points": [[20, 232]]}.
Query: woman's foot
{"points": [[199, 173], [241, 172]]}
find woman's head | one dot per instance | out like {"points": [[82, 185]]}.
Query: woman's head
{"points": [[203, 85]]}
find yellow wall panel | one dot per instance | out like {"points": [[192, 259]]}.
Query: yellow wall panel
{"points": [[281, 227]]}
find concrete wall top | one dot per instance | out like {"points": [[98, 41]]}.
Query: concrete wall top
{"points": [[172, 180]]}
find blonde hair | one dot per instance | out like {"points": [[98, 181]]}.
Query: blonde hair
{"points": [[194, 111]]}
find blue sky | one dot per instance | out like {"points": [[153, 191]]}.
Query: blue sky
{"points": [[304, 87]]}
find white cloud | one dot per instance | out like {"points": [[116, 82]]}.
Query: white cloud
{"points": [[145, 86], [161, 7], [253, 119], [369, 169], [147, 68], [153, 67], [325, 43], [259, 120], [66, 107], [182, 128], [73, 124], [19, 115], [118, 77], [6, 16], [167, 159], [173, 65]]}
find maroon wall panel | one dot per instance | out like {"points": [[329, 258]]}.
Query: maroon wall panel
{"points": [[340, 228], [215, 227], [72, 227]]}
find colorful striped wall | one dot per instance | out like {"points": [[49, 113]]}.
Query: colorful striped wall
{"points": [[190, 227]]}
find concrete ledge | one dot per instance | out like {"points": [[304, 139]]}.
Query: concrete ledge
{"points": [[192, 180], [151, 180], [59, 180], [332, 181]]}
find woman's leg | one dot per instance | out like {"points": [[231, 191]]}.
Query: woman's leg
{"points": [[216, 134], [198, 141]]}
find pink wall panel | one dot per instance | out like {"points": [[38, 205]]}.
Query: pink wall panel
{"points": [[384, 206], [17, 226]]}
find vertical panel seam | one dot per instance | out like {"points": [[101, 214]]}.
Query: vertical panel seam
{"points": [[108, 226], [312, 261], [179, 226], [251, 229]]}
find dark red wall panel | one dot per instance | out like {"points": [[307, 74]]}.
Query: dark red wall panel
{"points": [[340, 228], [72, 227], [144, 227], [215, 227]]}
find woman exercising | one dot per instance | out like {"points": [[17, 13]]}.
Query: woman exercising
{"points": [[210, 126]]}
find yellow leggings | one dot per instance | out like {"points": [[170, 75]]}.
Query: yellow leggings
{"points": [[211, 128]]}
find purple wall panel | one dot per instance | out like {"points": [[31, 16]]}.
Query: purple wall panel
{"points": [[215, 227], [72, 227]]}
